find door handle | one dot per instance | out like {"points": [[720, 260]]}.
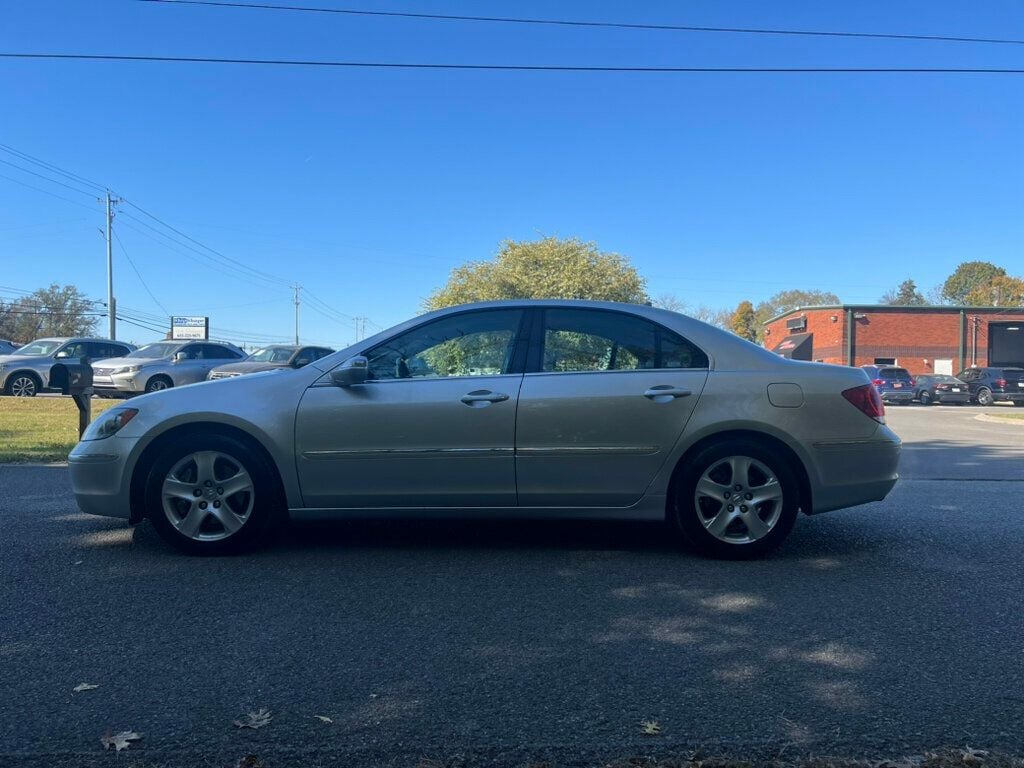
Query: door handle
{"points": [[665, 393], [482, 397]]}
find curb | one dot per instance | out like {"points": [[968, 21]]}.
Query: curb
{"points": [[998, 419], [11, 464]]}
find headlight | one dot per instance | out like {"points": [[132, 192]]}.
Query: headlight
{"points": [[128, 369], [110, 423]]}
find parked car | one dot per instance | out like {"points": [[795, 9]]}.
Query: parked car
{"points": [[7, 347], [894, 385], [161, 365], [571, 409], [274, 357], [940, 388], [26, 372], [994, 385]]}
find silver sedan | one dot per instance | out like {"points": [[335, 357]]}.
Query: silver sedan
{"points": [[564, 409]]}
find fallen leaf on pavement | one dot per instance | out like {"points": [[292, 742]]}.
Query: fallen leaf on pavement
{"points": [[255, 720], [120, 740], [650, 728], [84, 687], [323, 718]]}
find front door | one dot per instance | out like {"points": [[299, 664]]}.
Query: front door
{"points": [[433, 426], [606, 398]]}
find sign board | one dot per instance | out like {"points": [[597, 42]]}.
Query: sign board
{"points": [[190, 328]]}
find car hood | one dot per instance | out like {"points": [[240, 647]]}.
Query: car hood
{"points": [[120, 362], [244, 367], [22, 358]]}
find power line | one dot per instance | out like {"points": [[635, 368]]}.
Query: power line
{"points": [[138, 274], [50, 166], [524, 67], [47, 192], [592, 24], [46, 178], [258, 273]]}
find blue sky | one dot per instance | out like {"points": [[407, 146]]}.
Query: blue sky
{"points": [[368, 186]]}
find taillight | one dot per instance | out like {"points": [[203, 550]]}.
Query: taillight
{"points": [[1001, 383], [866, 399], [913, 382], [878, 382]]}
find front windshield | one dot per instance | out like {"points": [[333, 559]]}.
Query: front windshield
{"points": [[158, 350], [271, 355], [40, 347]]}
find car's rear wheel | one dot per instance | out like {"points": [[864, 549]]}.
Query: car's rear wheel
{"points": [[212, 495], [985, 396], [926, 398], [158, 383], [735, 500], [23, 385]]}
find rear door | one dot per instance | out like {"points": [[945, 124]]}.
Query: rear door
{"points": [[605, 397]]}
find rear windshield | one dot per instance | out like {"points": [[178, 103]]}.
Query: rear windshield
{"points": [[893, 373]]}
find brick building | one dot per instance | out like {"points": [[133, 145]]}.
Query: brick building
{"points": [[920, 339]]}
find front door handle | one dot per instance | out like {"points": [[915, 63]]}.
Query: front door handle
{"points": [[480, 398], [666, 393]]}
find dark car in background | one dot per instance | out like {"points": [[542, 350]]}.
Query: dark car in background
{"points": [[994, 385], [274, 357], [894, 385], [941, 388]]}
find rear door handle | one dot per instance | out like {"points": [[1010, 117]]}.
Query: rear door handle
{"points": [[665, 393], [483, 397]]}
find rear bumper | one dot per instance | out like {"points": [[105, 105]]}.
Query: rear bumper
{"points": [[896, 397], [852, 472], [1008, 397], [961, 397]]}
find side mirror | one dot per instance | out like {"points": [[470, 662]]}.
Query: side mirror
{"points": [[179, 356], [301, 362], [353, 371], [62, 355]]}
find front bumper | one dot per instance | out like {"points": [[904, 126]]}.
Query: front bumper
{"points": [[101, 477], [852, 472], [125, 383]]}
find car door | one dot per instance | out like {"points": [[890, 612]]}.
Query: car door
{"points": [[433, 426], [605, 398]]}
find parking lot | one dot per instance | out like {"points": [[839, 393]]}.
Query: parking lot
{"points": [[881, 630]]}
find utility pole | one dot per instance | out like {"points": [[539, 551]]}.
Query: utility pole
{"points": [[111, 301], [297, 288]]}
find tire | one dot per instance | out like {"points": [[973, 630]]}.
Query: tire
{"points": [[158, 383], [220, 520], [985, 396], [695, 511], [23, 385], [926, 398], [1018, 403]]}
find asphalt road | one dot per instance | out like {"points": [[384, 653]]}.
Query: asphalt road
{"points": [[882, 630]]}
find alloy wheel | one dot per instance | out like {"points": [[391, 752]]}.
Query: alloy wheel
{"points": [[208, 496], [738, 500], [984, 397], [23, 386], [157, 385]]}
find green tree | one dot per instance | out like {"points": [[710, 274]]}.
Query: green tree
{"points": [[53, 311], [549, 268], [783, 301], [1000, 291], [744, 321], [967, 277], [905, 295]]}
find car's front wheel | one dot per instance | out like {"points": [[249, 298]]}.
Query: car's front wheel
{"points": [[158, 383], [23, 385], [210, 495], [985, 396], [735, 500], [926, 398]]}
